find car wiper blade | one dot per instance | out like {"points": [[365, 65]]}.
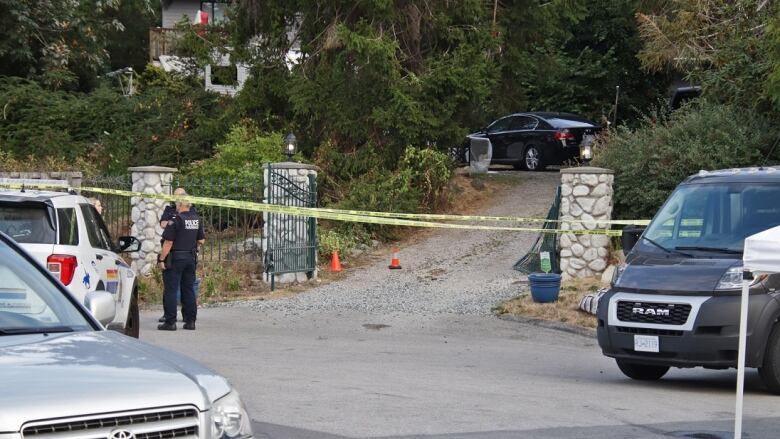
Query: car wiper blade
{"points": [[36, 330], [711, 249], [667, 250]]}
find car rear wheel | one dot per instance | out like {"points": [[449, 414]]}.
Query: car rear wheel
{"points": [[132, 324], [532, 159], [770, 369], [642, 372]]}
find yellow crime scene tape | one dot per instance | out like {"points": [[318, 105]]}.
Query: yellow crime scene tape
{"points": [[445, 217], [367, 217]]}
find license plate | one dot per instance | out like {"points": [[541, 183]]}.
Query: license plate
{"points": [[646, 343]]}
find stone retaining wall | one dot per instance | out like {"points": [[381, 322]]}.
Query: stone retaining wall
{"points": [[73, 178]]}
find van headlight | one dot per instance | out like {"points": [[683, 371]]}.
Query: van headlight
{"points": [[229, 418], [732, 279], [619, 269]]}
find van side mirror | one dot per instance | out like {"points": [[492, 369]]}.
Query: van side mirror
{"points": [[101, 305], [630, 237], [129, 244]]}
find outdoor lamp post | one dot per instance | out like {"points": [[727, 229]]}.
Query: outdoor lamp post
{"points": [[290, 145], [586, 149]]}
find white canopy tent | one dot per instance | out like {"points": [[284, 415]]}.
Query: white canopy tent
{"points": [[761, 255]]}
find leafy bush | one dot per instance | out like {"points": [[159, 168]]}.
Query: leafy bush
{"points": [[429, 171], [333, 240], [417, 184], [241, 154], [650, 161], [171, 122], [173, 126], [383, 191], [10, 163], [45, 123], [340, 169]]}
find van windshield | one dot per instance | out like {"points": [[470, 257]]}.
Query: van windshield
{"points": [[715, 216]]}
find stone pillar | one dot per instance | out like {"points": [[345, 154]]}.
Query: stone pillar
{"points": [[145, 213], [586, 196], [287, 230]]}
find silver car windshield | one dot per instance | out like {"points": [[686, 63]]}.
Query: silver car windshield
{"points": [[30, 302], [714, 216]]}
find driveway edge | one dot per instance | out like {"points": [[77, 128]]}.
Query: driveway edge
{"points": [[549, 324]]}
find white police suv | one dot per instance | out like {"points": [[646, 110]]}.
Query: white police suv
{"points": [[65, 234]]}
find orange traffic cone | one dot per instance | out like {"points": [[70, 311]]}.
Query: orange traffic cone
{"points": [[395, 263], [335, 263]]}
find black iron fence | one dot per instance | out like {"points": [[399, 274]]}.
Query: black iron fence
{"points": [[231, 234], [115, 209]]}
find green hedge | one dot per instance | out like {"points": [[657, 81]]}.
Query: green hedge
{"points": [[651, 160], [171, 121]]}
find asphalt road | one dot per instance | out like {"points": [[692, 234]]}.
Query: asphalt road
{"points": [[326, 375], [415, 353]]}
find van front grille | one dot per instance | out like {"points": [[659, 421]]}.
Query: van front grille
{"points": [[649, 331], [651, 312], [151, 424]]}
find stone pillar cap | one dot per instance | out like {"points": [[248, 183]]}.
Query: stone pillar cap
{"points": [[160, 169], [587, 170], [291, 165]]}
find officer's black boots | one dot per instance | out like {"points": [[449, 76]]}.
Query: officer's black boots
{"points": [[190, 326], [161, 319], [167, 326]]}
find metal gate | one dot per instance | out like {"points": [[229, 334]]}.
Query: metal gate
{"points": [[292, 239]]}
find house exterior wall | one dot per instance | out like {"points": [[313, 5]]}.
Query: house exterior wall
{"points": [[178, 9]]}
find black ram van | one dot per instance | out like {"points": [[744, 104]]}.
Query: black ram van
{"points": [[675, 302]]}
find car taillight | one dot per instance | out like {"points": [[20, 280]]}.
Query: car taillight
{"points": [[62, 266], [563, 135]]}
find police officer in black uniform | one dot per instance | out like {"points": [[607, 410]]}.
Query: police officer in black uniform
{"points": [[168, 213], [178, 259]]}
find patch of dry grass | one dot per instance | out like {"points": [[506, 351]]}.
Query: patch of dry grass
{"points": [[565, 310], [470, 194], [219, 282]]}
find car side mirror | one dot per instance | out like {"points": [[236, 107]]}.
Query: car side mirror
{"points": [[101, 305], [129, 244], [630, 237]]}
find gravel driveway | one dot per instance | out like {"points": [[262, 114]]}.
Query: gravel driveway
{"points": [[448, 271]]}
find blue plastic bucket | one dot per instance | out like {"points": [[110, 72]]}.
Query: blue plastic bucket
{"points": [[544, 287]]}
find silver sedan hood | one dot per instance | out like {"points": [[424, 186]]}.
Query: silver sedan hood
{"points": [[83, 373]]}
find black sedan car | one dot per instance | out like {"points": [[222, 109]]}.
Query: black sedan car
{"points": [[532, 141]]}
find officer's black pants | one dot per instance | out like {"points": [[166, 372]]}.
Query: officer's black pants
{"points": [[181, 274]]}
